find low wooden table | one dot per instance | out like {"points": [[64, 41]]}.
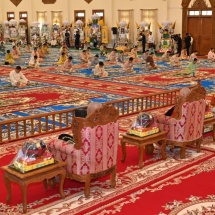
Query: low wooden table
{"points": [[142, 142], [210, 121], [37, 175]]}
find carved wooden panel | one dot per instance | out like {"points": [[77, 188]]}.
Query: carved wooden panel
{"points": [[212, 3], [16, 2], [196, 94], [199, 4], [185, 3], [101, 116], [88, 1], [48, 1]]}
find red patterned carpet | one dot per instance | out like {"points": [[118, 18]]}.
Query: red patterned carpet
{"points": [[173, 186], [83, 83], [32, 98], [134, 186], [158, 188], [165, 78]]}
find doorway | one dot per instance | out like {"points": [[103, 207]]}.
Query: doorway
{"points": [[201, 31], [24, 15], [198, 20]]}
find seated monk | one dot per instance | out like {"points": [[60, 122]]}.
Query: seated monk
{"points": [[127, 49], [9, 58], [82, 112], [40, 51], [134, 52], [184, 54], [84, 57], [67, 66], [15, 53], [150, 64], [175, 60], [165, 57], [174, 111], [99, 70], [62, 59], [93, 106], [113, 55], [45, 48], [128, 66]]}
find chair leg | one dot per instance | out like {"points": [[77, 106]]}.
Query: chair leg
{"points": [[182, 152], [87, 186], [113, 178], [198, 145]]}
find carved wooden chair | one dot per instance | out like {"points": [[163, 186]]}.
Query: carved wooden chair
{"points": [[186, 126], [94, 153]]}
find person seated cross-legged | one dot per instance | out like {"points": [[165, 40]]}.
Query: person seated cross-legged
{"points": [[17, 78]]}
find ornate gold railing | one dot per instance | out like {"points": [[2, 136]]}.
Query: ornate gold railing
{"points": [[26, 127]]}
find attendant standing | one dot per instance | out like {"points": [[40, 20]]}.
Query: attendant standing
{"points": [[191, 43], [187, 41], [179, 43], [143, 40], [77, 40], [151, 41], [67, 38]]}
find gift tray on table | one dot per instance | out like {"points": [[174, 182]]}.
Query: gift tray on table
{"points": [[13, 166]]}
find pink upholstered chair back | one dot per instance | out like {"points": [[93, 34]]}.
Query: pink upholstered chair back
{"points": [[96, 143], [98, 151], [190, 125]]}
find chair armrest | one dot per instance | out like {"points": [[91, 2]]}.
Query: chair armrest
{"points": [[62, 146], [165, 120]]}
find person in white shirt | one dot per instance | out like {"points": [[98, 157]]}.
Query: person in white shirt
{"points": [[84, 57], [165, 57], [175, 60], [211, 55], [144, 56], [151, 41], [121, 58], [191, 43], [193, 56], [112, 55], [128, 66], [34, 62], [67, 66], [99, 70], [17, 78], [94, 61]]}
